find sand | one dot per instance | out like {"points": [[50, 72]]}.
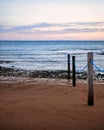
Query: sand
{"points": [[49, 104]]}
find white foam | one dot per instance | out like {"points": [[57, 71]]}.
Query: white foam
{"points": [[77, 51]]}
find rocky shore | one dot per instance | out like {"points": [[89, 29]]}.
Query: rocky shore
{"points": [[45, 73]]}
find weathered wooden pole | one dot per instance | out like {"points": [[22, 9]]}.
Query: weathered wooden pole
{"points": [[90, 80], [73, 71], [68, 66]]}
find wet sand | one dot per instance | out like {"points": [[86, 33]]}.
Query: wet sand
{"points": [[49, 104]]}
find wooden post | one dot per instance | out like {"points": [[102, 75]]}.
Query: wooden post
{"points": [[90, 80], [68, 66], [73, 69]]}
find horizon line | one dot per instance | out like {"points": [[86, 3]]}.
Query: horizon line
{"points": [[52, 40]]}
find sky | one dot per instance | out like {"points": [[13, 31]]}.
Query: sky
{"points": [[51, 19]]}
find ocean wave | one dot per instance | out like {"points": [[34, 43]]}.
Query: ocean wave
{"points": [[101, 53], [76, 51], [3, 61], [41, 55]]}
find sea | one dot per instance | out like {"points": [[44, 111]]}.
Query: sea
{"points": [[50, 55]]}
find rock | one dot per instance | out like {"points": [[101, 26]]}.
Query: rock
{"points": [[45, 73]]}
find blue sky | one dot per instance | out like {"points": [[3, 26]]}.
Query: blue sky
{"points": [[52, 19]]}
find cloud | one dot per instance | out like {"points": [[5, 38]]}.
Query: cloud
{"points": [[72, 27], [38, 25], [76, 30], [89, 23], [5, 28]]}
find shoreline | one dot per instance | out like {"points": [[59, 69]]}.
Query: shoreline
{"points": [[5, 71]]}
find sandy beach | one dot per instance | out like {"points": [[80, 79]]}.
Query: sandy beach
{"points": [[49, 104]]}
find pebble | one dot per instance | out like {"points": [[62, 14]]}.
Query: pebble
{"points": [[45, 73]]}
